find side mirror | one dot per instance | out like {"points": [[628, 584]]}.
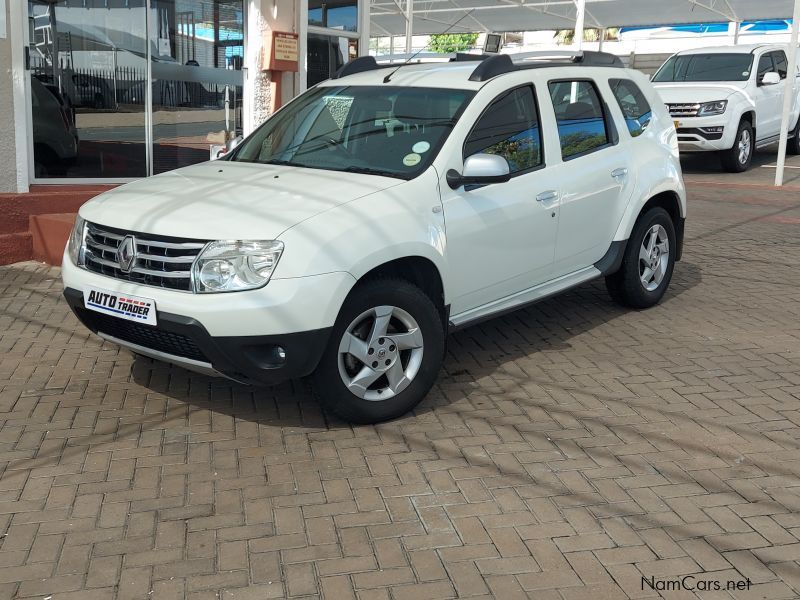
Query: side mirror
{"points": [[480, 169], [235, 142], [771, 78]]}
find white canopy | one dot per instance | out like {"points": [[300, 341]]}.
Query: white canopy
{"points": [[388, 17]]}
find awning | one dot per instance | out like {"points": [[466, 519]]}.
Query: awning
{"points": [[433, 16]]}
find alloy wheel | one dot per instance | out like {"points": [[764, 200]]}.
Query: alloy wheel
{"points": [[380, 353], [654, 257], [745, 144]]}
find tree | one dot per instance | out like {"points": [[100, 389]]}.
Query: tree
{"points": [[444, 43], [567, 36]]}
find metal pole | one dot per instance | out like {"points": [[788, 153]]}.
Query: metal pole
{"points": [[602, 38], [409, 25], [788, 95], [736, 29], [580, 16]]}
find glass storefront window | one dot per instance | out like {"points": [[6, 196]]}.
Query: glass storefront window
{"points": [[88, 68], [334, 14], [88, 74], [197, 80]]}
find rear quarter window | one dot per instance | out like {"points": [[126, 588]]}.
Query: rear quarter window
{"points": [[634, 105]]}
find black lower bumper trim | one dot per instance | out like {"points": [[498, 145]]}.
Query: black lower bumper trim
{"points": [[256, 359]]}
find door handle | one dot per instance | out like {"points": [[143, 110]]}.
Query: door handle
{"points": [[547, 196], [620, 173]]}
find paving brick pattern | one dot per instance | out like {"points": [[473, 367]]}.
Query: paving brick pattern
{"points": [[566, 452]]}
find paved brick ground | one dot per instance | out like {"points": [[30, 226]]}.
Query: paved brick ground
{"points": [[567, 451]]}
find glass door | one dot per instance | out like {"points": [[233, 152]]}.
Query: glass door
{"points": [[88, 65], [197, 49]]}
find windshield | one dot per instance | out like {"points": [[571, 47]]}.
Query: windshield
{"points": [[363, 129], [706, 67]]}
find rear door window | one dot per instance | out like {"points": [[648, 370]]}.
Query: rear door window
{"points": [[579, 113], [634, 105]]}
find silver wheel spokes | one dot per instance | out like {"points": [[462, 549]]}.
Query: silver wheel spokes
{"points": [[744, 146], [654, 257], [380, 353]]}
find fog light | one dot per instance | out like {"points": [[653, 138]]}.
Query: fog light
{"points": [[712, 129], [280, 353], [217, 274]]}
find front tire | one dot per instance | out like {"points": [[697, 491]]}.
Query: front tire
{"points": [[384, 353], [739, 158], [648, 262]]}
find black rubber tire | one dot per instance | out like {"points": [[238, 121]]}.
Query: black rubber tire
{"points": [[625, 285], [329, 387], [730, 158], [793, 146]]}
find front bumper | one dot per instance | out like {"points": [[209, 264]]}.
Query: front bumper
{"points": [[704, 134], [181, 340]]}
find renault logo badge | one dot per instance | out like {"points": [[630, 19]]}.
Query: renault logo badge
{"points": [[126, 254]]}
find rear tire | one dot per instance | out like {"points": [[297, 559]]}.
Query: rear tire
{"points": [[739, 158], [648, 262], [793, 147], [384, 354]]}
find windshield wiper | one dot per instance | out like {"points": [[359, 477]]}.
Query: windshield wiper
{"points": [[370, 171]]}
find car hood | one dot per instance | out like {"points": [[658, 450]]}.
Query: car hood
{"points": [[688, 93], [228, 200]]}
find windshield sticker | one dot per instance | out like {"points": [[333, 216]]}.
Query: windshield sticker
{"points": [[746, 74], [411, 160], [421, 147]]}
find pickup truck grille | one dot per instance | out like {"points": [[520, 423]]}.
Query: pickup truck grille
{"points": [[683, 110], [159, 261]]}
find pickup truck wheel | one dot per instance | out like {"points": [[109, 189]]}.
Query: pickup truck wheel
{"points": [[738, 158], [648, 262], [384, 354], [793, 147]]}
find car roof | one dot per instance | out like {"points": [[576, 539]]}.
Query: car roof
{"points": [[740, 49], [432, 75], [446, 75]]}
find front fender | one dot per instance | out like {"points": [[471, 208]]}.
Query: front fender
{"points": [[358, 236]]}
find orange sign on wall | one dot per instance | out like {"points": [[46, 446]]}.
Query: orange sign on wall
{"points": [[281, 51]]}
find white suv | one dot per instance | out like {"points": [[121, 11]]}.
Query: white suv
{"points": [[378, 211], [729, 100]]}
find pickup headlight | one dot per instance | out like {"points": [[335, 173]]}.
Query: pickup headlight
{"points": [[712, 108], [76, 242], [235, 266]]}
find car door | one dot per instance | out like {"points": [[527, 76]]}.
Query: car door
{"points": [[501, 237], [595, 174], [768, 99]]}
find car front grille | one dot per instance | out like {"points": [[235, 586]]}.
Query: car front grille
{"points": [[683, 110], [160, 261], [146, 336]]}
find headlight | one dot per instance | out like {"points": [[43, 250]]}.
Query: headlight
{"points": [[76, 242], [712, 108], [235, 266]]}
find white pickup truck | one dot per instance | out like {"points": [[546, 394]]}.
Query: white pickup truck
{"points": [[729, 100]]}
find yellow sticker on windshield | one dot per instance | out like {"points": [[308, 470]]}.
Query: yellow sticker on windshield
{"points": [[411, 160]]}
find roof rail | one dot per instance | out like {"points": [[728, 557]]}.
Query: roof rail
{"points": [[359, 65], [505, 63]]}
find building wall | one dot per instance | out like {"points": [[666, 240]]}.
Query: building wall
{"points": [[8, 152]]}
